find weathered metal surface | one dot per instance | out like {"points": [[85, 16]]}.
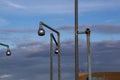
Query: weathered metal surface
{"points": [[101, 76]]}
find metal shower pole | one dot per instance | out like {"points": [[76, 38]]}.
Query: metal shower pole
{"points": [[89, 55], [76, 42], [87, 32], [41, 32]]}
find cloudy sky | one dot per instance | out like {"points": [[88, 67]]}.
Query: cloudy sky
{"points": [[19, 23]]}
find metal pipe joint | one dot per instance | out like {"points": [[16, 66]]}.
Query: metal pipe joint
{"points": [[85, 32]]}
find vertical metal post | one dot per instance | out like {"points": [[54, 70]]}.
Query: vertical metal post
{"points": [[41, 32], [76, 42], [59, 56], [51, 60], [89, 55]]}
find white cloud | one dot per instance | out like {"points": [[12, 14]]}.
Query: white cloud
{"points": [[32, 48], [98, 5], [54, 7], [5, 76], [14, 5]]}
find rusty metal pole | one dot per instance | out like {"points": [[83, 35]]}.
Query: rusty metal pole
{"points": [[51, 60], [59, 57], [57, 42], [89, 55], [76, 42], [41, 32], [87, 32]]}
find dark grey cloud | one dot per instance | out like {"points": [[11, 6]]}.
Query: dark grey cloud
{"points": [[106, 55], [25, 63], [66, 28], [106, 29], [97, 28]]}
